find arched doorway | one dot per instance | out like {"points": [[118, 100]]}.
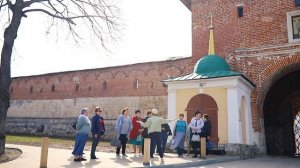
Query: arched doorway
{"points": [[281, 105], [206, 105]]}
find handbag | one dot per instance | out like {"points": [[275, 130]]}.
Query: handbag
{"points": [[73, 124], [209, 145], [116, 143], [172, 146], [139, 138], [195, 138]]}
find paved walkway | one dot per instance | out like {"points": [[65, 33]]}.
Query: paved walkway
{"points": [[63, 158], [263, 162]]}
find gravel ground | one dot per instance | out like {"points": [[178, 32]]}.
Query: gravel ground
{"points": [[10, 154]]}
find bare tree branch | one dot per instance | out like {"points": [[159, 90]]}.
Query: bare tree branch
{"points": [[2, 5]]}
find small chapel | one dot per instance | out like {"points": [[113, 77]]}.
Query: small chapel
{"points": [[214, 89]]}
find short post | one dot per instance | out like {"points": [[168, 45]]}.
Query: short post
{"points": [[44, 152], [146, 158], [203, 148]]}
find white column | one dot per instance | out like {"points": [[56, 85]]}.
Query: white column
{"points": [[171, 108], [233, 115], [172, 104], [249, 120]]}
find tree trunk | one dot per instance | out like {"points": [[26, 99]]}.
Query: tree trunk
{"points": [[10, 34]]}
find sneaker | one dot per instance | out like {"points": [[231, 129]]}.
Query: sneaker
{"points": [[162, 160], [83, 159], [77, 160], [124, 155], [118, 155], [94, 157]]}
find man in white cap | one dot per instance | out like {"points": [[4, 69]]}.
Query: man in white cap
{"points": [[154, 129]]}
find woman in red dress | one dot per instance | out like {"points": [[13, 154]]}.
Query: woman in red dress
{"points": [[135, 134]]}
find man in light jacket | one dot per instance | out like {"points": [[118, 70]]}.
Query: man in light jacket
{"points": [[154, 129]]}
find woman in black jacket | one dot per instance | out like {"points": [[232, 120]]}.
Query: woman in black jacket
{"points": [[206, 130]]}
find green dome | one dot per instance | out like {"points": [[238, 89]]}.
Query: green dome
{"points": [[211, 63]]}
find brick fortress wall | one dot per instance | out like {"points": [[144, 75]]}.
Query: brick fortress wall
{"points": [[256, 44], [54, 100]]}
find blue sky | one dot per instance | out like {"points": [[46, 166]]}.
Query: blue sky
{"points": [[154, 30]]}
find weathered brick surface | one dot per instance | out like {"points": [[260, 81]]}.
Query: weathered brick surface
{"points": [[65, 108], [54, 127], [102, 82], [255, 44]]}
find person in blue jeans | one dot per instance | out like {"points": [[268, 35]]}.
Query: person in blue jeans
{"points": [[83, 128], [98, 129], [154, 129], [165, 132], [123, 128]]}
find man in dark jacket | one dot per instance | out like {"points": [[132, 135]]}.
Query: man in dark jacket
{"points": [[165, 132], [98, 129]]}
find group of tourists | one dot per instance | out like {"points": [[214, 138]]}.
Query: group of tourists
{"points": [[191, 133], [83, 127], [134, 130]]}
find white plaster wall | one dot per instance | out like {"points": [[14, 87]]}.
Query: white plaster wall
{"points": [[172, 106], [233, 115], [245, 92]]}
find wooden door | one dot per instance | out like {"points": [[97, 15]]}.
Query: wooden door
{"points": [[206, 105]]}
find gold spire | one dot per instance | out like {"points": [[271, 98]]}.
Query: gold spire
{"points": [[211, 48]]}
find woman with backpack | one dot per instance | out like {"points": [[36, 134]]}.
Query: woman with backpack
{"points": [[83, 127]]}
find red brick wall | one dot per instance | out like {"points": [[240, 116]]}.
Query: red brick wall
{"points": [[263, 24], [120, 81], [255, 44]]}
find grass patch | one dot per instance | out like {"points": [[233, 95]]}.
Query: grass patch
{"points": [[36, 141], [61, 143]]}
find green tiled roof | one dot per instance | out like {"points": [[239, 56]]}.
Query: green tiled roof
{"points": [[211, 63], [209, 75], [195, 76]]}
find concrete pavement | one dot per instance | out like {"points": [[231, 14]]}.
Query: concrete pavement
{"points": [[263, 162], [63, 158]]}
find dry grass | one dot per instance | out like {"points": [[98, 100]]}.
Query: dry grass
{"points": [[58, 143]]}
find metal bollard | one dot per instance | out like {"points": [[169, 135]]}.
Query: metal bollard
{"points": [[146, 158], [203, 148], [44, 152]]}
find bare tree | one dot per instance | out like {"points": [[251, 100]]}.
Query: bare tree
{"points": [[99, 16]]}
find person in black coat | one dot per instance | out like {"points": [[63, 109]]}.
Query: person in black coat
{"points": [[98, 130], [145, 131], [206, 132], [165, 132]]}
